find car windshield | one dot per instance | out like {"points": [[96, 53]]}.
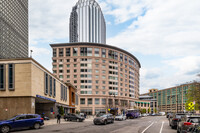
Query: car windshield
{"points": [[103, 115], [179, 116], [12, 117], [195, 120]]}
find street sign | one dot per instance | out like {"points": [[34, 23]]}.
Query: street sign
{"points": [[191, 105]]}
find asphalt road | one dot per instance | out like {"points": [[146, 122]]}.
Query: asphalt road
{"points": [[150, 124]]}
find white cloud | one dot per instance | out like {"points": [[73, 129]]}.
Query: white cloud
{"points": [[40, 51], [49, 20], [169, 28], [186, 66]]}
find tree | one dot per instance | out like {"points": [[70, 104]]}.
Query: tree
{"points": [[61, 110], [193, 95], [149, 110], [155, 110]]}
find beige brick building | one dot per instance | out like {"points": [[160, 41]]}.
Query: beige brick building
{"points": [[105, 76], [27, 87]]}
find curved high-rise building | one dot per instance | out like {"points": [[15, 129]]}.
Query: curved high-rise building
{"points": [[87, 23]]}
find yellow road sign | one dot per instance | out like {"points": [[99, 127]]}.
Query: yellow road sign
{"points": [[191, 105]]}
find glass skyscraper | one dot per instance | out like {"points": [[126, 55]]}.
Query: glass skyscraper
{"points": [[13, 29], [87, 23]]}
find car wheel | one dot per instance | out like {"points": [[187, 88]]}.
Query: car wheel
{"points": [[78, 120], [95, 123], [5, 129], [105, 122], [36, 125]]}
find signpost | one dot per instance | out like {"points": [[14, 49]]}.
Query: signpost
{"points": [[191, 106]]}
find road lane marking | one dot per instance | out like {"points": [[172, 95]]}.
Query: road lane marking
{"points": [[162, 127], [148, 127]]}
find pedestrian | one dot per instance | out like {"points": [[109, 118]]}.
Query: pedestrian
{"points": [[85, 115], [58, 118]]}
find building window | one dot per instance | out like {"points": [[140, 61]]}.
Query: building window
{"points": [[75, 51], [61, 76], [11, 76], [75, 81], [75, 65], [2, 77], [103, 61], [97, 87], [75, 60], [75, 70], [86, 51], [75, 76], [103, 53], [68, 76], [96, 52], [97, 92], [68, 51], [97, 65], [46, 84], [54, 61], [82, 100], [104, 92], [121, 57], [54, 87], [68, 65], [60, 52], [103, 101], [54, 52], [51, 89], [89, 101], [68, 71], [97, 101], [62, 91], [68, 60]]}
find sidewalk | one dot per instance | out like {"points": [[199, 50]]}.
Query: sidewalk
{"points": [[62, 121]]}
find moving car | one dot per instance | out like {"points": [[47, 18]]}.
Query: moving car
{"points": [[188, 122], [73, 117], [120, 117], [104, 119], [21, 122], [175, 119]]}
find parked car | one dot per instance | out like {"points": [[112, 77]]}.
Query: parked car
{"points": [[168, 115], [21, 122], [161, 113], [175, 119], [104, 119], [187, 122], [73, 117], [120, 117], [46, 118], [195, 129], [143, 115]]}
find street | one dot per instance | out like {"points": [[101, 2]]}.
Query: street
{"points": [[150, 124]]}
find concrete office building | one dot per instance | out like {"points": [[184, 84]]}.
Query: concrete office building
{"points": [[171, 99], [105, 76], [13, 29], [27, 87], [87, 23]]}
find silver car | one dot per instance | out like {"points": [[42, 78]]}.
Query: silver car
{"points": [[120, 117]]}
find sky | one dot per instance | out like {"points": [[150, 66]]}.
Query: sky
{"points": [[164, 35]]}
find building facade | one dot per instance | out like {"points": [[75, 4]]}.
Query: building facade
{"points": [[105, 76], [87, 23], [27, 87], [13, 29], [171, 99]]}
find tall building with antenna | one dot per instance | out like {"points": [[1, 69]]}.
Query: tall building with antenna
{"points": [[87, 23]]}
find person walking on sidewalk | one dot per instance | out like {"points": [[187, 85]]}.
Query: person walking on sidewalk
{"points": [[58, 118]]}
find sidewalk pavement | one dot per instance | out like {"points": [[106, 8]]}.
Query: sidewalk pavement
{"points": [[62, 121]]}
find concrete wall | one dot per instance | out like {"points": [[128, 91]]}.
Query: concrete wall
{"points": [[15, 105]]}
